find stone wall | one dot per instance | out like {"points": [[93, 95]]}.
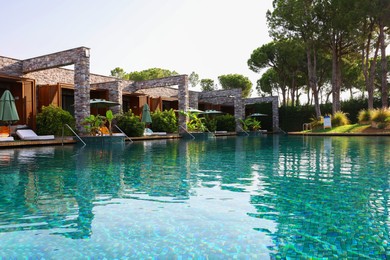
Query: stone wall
{"points": [[11, 67], [80, 58], [275, 108], [226, 97], [114, 92], [160, 92]]}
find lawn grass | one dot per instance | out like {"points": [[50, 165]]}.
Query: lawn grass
{"points": [[354, 128]]}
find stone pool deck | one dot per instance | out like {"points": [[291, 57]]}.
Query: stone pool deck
{"points": [[73, 140]]}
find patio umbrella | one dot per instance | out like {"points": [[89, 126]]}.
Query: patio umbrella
{"points": [[146, 118], [102, 103], [191, 110], [257, 115], [8, 112], [194, 110], [211, 112]]}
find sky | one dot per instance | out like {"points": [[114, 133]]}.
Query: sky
{"points": [[209, 37]]}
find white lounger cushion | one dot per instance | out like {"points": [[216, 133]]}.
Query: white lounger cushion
{"points": [[28, 134], [6, 139], [149, 132]]}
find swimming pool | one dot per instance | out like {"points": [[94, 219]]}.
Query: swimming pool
{"points": [[278, 197]]}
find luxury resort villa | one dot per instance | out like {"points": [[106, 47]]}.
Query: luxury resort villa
{"points": [[42, 81]]}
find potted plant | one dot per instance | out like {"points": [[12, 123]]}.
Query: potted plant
{"points": [[110, 117], [251, 124], [92, 124]]}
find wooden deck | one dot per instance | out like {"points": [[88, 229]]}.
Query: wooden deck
{"points": [[73, 140], [22, 143]]}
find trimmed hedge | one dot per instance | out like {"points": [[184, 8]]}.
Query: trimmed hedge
{"points": [[52, 119]]}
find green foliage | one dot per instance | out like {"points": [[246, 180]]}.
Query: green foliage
{"points": [[164, 121], [210, 123], [109, 117], [317, 123], [232, 81], [195, 123], [339, 119], [52, 119], [226, 123], [130, 124], [251, 124], [193, 79], [152, 73], [364, 116], [380, 115], [119, 73], [207, 85], [92, 124]]}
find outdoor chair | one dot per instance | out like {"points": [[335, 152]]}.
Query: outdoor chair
{"points": [[28, 134], [149, 132]]}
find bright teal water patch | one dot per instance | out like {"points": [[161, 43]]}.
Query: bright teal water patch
{"points": [[245, 198]]}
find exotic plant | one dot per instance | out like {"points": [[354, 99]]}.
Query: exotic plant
{"points": [[130, 124], [52, 120], [109, 117], [364, 116], [92, 124], [164, 121], [340, 118], [381, 117], [251, 124], [195, 123], [316, 123]]}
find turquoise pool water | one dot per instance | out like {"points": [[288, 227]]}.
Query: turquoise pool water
{"points": [[275, 197]]}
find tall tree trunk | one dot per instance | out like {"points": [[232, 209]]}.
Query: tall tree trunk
{"points": [[385, 95], [371, 77], [293, 90], [308, 95], [336, 75], [312, 67]]}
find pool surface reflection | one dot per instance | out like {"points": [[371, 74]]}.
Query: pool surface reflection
{"points": [[262, 197]]}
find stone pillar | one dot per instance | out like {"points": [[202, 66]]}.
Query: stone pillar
{"points": [[275, 115], [239, 112], [194, 99], [183, 104], [81, 91], [115, 94]]}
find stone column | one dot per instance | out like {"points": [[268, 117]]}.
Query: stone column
{"points": [[183, 104], [115, 94], [81, 91], [238, 111], [194, 100]]}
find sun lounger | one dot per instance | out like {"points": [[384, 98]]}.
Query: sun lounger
{"points": [[149, 132], [28, 134], [6, 139]]}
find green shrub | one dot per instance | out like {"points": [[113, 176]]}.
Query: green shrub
{"points": [[364, 116], [340, 118], [251, 124], [130, 124], [380, 115], [317, 123], [52, 119], [164, 121], [226, 123], [211, 123]]}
